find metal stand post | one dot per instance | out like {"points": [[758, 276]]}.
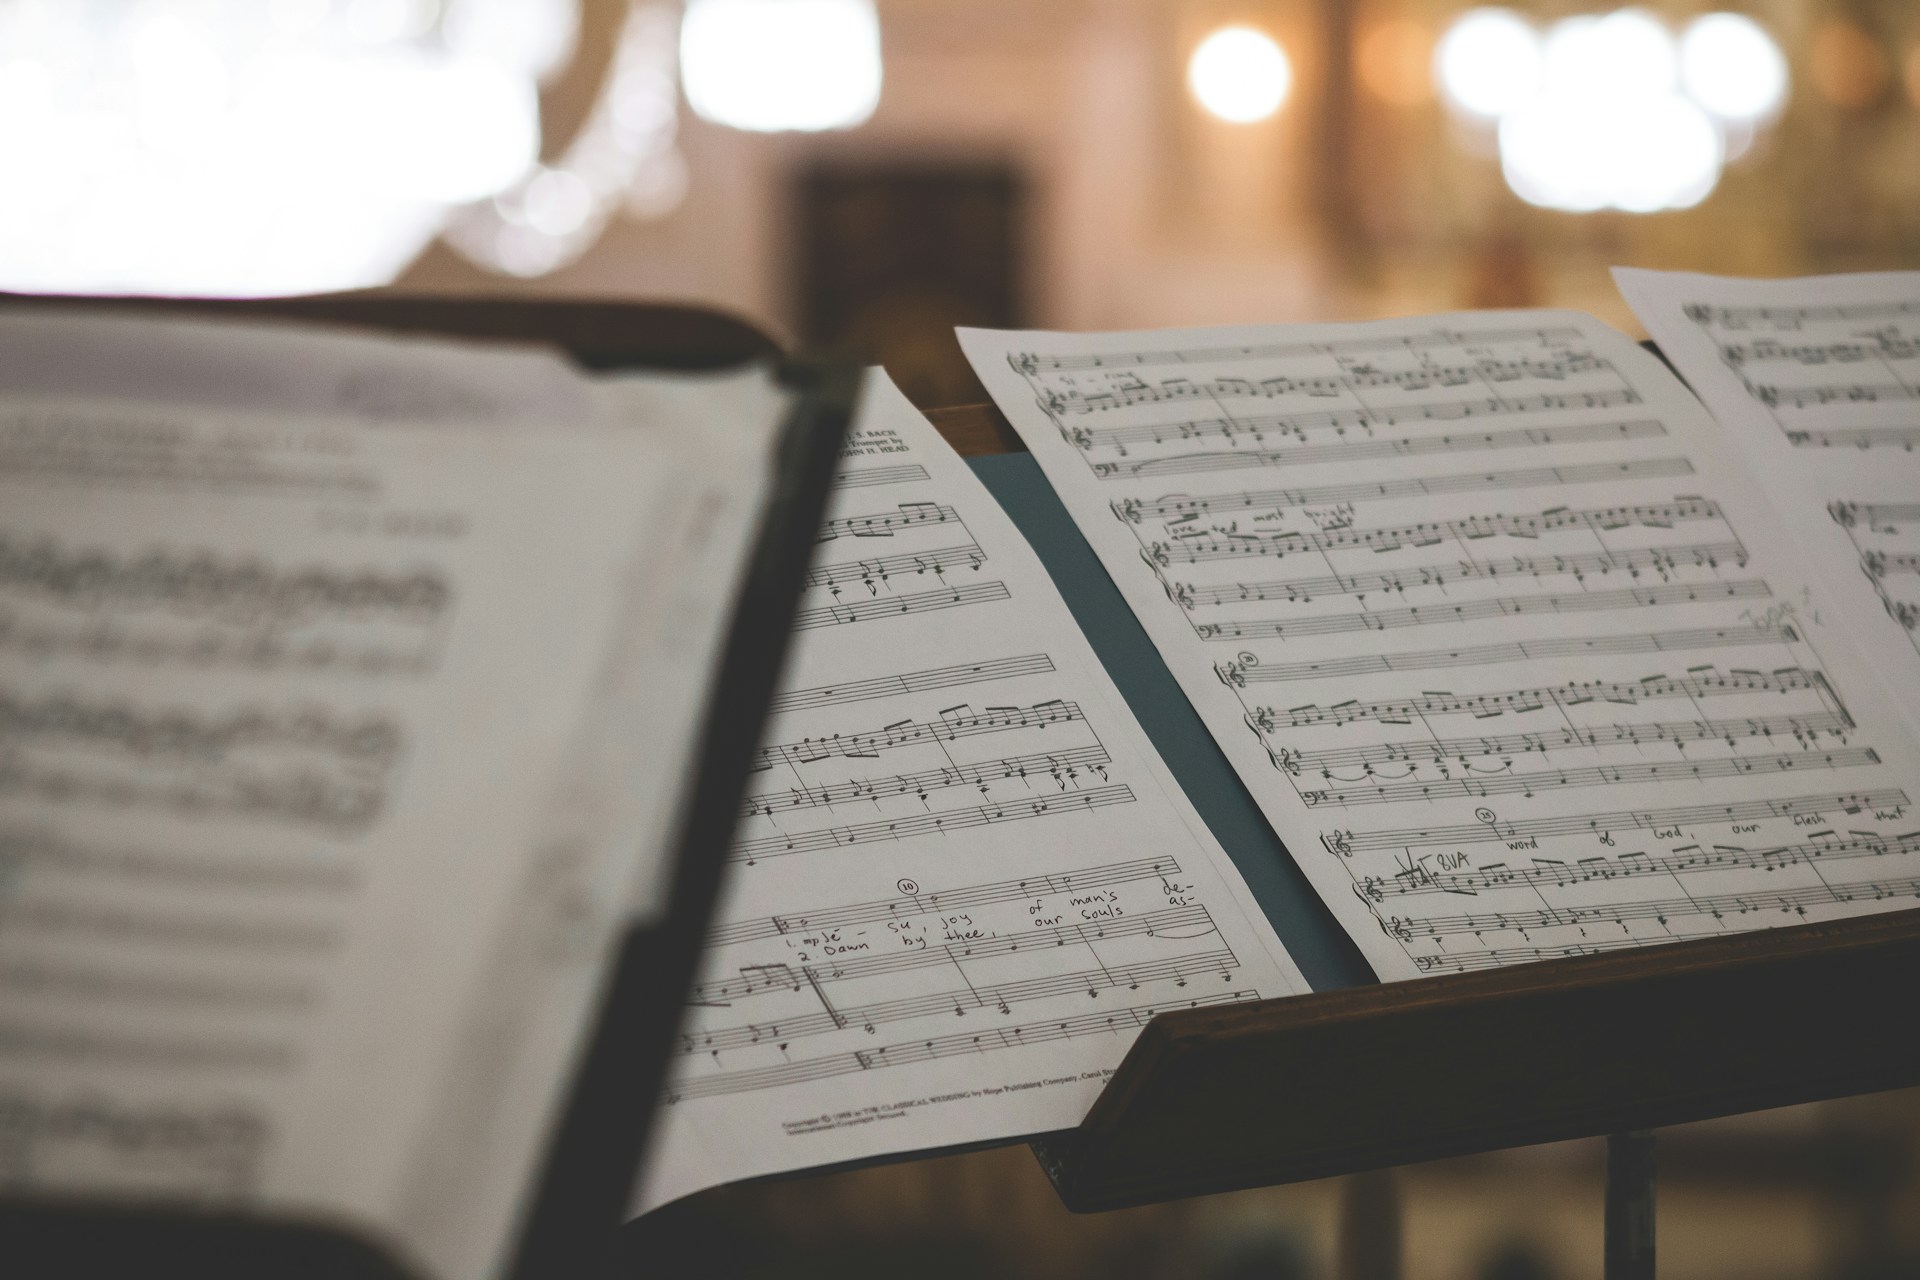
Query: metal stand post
{"points": [[1629, 1229]]}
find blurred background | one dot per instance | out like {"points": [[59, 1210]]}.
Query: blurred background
{"points": [[865, 174]]}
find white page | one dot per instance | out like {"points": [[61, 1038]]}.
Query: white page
{"points": [[964, 880], [1513, 657], [286, 366], [1817, 382], [302, 912]]}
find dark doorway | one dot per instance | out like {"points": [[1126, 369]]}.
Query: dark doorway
{"points": [[892, 257]]}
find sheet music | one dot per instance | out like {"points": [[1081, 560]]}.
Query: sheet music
{"points": [[1511, 655], [307, 862], [964, 880], [1817, 381]]}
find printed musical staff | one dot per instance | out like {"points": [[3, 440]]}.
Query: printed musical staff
{"points": [[1794, 319], [866, 477], [1800, 397], [944, 821], [1176, 925], [174, 606], [1062, 768], [1499, 957], [964, 673], [885, 524], [203, 585], [1248, 669], [1121, 1021], [982, 998], [1663, 562], [1375, 450], [1663, 911], [1906, 439], [1179, 924], [1532, 784], [1030, 362], [1201, 547], [1690, 860], [879, 571], [1563, 698], [1086, 879], [1257, 429], [948, 728], [1803, 729], [835, 615], [1493, 829], [1477, 610], [1177, 506]]}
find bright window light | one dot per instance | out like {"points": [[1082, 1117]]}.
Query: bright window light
{"points": [[1240, 75], [1641, 156], [1608, 110], [1732, 67], [1488, 62], [775, 65], [242, 147], [1626, 54]]}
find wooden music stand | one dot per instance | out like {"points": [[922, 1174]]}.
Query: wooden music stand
{"points": [[1373, 1075]]}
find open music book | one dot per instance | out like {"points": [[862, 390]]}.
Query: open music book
{"points": [[351, 693], [1501, 631]]}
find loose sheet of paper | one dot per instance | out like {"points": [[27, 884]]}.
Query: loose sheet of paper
{"points": [[305, 891], [1513, 657], [1817, 381], [964, 880]]}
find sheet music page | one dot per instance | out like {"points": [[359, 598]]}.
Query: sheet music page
{"points": [[964, 880], [1817, 382], [1512, 655], [305, 888]]}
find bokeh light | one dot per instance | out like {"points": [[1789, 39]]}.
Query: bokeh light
{"points": [[245, 147], [1610, 111], [1240, 75], [1394, 60], [777, 65], [1488, 62], [1642, 155], [1846, 65], [1732, 67]]}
